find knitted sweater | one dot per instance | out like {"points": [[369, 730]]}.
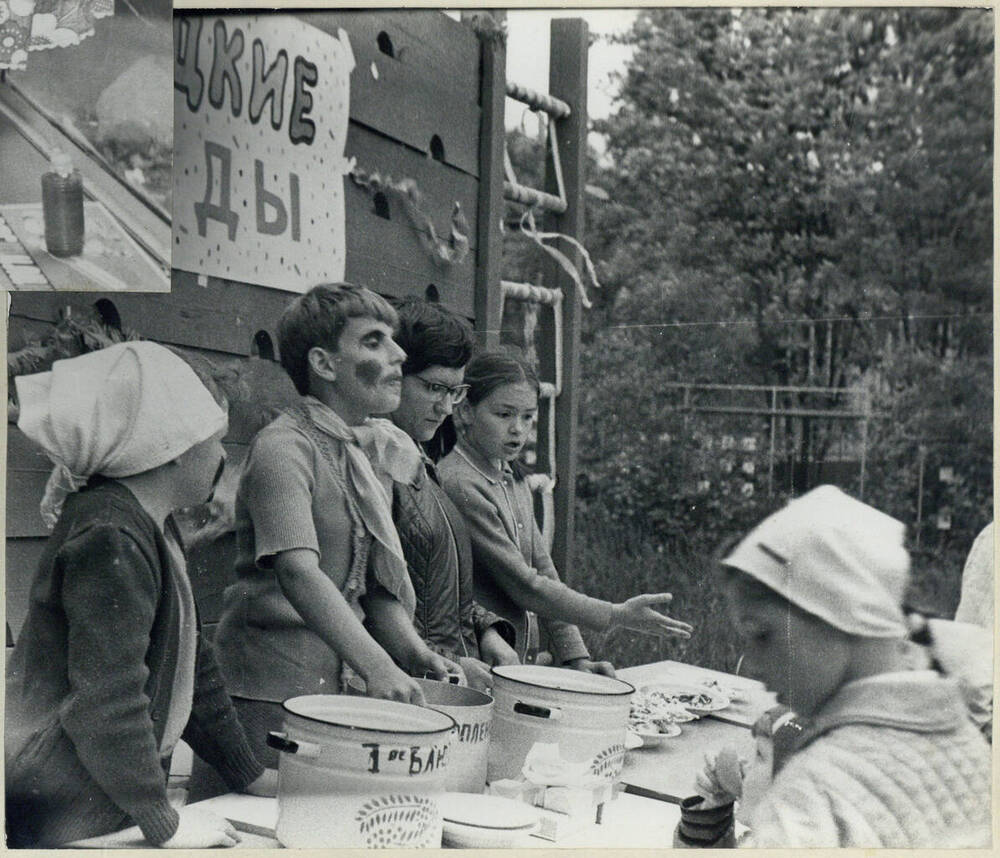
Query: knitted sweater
{"points": [[90, 682], [509, 553], [891, 761]]}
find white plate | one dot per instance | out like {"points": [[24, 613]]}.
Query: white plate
{"points": [[651, 740], [735, 695], [492, 812], [713, 703], [457, 836]]}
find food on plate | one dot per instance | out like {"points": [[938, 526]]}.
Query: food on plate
{"points": [[650, 714], [653, 731], [732, 693], [695, 698]]}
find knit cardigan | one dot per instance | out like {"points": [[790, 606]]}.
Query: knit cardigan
{"points": [[891, 761], [90, 680], [509, 553]]}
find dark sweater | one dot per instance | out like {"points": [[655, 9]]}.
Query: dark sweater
{"points": [[438, 555], [90, 679]]}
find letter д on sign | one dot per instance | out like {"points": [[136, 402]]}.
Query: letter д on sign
{"points": [[261, 108]]}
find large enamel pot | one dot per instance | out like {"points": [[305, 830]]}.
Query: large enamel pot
{"points": [[355, 771], [472, 711], [585, 714]]}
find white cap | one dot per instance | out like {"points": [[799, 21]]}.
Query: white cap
{"points": [[836, 558]]}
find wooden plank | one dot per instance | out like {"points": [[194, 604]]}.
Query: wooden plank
{"points": [[488, 306], [24, 454], [439, 186], [23, 332], [211, 569], [391, 260], [24, 493], [21, 558], [425, 39], [568, 82], [221, 316], [28, 470], [420, 93]]}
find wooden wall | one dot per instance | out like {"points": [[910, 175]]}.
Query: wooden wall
{"points": [[420, 118]]}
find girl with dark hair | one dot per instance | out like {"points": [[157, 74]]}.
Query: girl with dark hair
{"points": [[514, 573]]}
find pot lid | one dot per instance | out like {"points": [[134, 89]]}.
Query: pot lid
{"points": [[366, 713], [563, 679]]}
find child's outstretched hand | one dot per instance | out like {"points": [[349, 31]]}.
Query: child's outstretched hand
{"points": [[638, 615]]}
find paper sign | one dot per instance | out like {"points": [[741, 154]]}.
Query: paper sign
{"points": [[261, 108]]}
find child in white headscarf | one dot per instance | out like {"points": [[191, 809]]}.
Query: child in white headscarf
{"points": [[888, 756], [108, 672]]}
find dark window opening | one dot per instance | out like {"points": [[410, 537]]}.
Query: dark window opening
{"points": [[385, 44], [262, 346], [108, 313], [437, 148]]}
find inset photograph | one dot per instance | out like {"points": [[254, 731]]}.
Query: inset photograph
{"points": [[86, 131]]}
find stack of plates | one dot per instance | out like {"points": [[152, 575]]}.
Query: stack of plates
{"points": [[473, 821]]}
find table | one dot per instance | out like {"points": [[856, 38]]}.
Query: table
{"points": [[629, 821], [643, 815], [668, 771]]}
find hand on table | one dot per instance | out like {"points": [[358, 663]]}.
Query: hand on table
{"points": [[638, 615], [200, 829], [585, 665]]}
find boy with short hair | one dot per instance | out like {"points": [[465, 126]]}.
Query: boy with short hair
{"points": [[323, 585], [888, 756]]}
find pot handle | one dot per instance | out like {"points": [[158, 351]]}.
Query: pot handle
{"points": [[281, 742], [537, 711]]}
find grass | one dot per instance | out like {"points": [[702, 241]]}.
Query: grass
{"points": [[615, 561]]}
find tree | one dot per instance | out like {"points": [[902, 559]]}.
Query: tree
{"points": [[796, 194]]}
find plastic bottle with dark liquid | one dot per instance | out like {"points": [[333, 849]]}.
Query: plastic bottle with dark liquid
{"points": [[62, 207]]}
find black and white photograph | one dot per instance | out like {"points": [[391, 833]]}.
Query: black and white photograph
{"points": [[528, 428], [86, 132]]}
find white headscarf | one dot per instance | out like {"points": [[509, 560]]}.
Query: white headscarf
{"points": [[117, 412], [835, 557]]}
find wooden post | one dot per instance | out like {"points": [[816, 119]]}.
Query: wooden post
{"points": [[568, 82], [770, 461], [921, 461], [487, 304]]}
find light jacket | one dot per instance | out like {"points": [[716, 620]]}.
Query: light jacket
{"points": [[891, 760]]}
